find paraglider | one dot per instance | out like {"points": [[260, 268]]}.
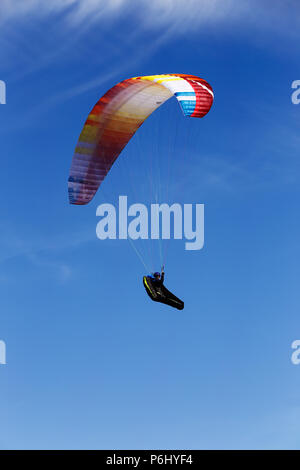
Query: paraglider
{"points": [[156, 290], [112, 123]]}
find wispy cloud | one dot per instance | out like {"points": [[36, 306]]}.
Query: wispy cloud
{"points": [[46, 256], [189, 13], [36, 33], [116, 35], [60, 25]]}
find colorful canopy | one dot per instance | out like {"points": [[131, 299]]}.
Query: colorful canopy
{"points": [[117, 116]]}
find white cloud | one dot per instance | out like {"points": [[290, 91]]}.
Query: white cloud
{"points": [[35, 34], [186, 14], [46, 256]]}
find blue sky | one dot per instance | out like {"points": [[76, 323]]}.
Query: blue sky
{"points": [[91, 361]]}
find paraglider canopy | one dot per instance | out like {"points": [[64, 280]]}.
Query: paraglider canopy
{"points": [[117, 116]]}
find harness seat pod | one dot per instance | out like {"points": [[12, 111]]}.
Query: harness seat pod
{"points": [[161, 294]]}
